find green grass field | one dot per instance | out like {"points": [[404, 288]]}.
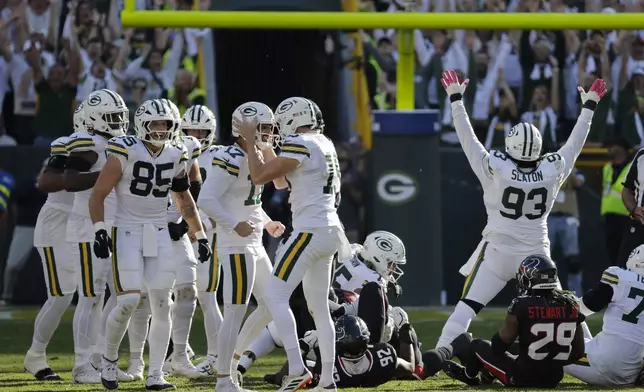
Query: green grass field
{"points": [[16, 327]]}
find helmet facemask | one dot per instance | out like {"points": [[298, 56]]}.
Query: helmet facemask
{"points": [[158, 132], [267, 136], [117, 121], [205, 136]]}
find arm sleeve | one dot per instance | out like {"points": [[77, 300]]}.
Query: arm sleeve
{"points": [[570, 151], [476, 154], [214, 188], [294, 150], [80, 144], [597, 298], [631, 176], [117, 150]]}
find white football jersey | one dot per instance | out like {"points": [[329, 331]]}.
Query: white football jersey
{"points": [[84, 141], [193, 147], [228, 196], [315, 183], [142, 192], [61, 200], [353, 274], [623, 315], [205, 166]]}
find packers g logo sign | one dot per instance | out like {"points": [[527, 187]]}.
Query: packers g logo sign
{"points": [[396, 188]]}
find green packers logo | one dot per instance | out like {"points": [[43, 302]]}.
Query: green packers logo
{"points": [[94, 100], [384, 244], [249, 111], [140, 111], [286, 106]]}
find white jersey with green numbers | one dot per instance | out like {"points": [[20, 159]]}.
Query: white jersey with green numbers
{"points": [[353, 274], [144, 187], [61, 200], [193, 147], [81, 142], [315, 183], [228, 196], [205, 166], [624, 314]]}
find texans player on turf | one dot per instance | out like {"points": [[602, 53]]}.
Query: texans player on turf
{"points": [[614, 358], [143, 170], [519, 188]]}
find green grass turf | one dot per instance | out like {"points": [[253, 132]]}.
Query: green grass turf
{"points": [[16, 327]]}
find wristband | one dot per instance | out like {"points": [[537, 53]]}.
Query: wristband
{"points": [[200, 235], [99, 226], [455, 97]]}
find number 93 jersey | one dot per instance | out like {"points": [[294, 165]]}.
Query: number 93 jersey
{"points": [[315, 183], [625, 309], [142, 192], [518, 201], [193, 147]]}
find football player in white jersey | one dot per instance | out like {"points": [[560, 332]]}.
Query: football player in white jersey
{"points": [[310, 161], [106, 116], [615, 356], [234, 202], [58, 264], [519, 188], [200, 122], [143, 170]]}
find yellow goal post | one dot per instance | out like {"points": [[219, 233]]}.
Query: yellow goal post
{"points": [[404, 21]]}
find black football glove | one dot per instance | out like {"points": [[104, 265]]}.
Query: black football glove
{"points": [[395, 289], [102, 244], [204, 250], [177, 230]]}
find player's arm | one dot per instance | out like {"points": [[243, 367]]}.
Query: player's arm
{"points": [[194, 175], [108, 177], [76, 176], [274, 170], [50, 178], [404, 369], [219, 180], [186, 204], [476, 154], [269, 155], [599, 296], [571, 150], [578, 346], [509, 332]]}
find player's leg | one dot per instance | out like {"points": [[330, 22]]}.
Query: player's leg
{"points": [[316, 291], [482, 357], [372, 308], [570, 250], [266, 342], [207, 285], [239, 275], [259, 319], [60, 280], [137, 334], [183, 308], [159, 277], [127, 275], [293, 260]]}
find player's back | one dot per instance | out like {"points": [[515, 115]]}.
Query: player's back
{"points": [[623, 315], [315, 183], [378, 367], [518, 201], [205, 161], [84, 141], [193, 148], [61, 200], [144, 187], [547, 326], [353, 274]]}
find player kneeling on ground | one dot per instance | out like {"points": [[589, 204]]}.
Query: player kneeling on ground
{"points": [[357, 363], [614, 358], [545, 321]]}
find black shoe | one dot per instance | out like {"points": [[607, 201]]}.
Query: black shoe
{"points": [[486, 378], [461, 347], [272, 379], [457, 372], [165, 386], [47, 374]]}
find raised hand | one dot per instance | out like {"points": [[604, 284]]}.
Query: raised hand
{"points": [[450, 83]]}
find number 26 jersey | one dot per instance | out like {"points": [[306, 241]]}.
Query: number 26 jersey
{"points": [[142, 192], [518, 201]]}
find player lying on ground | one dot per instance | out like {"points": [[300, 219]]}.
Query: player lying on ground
{"points": [[358, 363], [615, 356], [543, 318], [519, 188]]}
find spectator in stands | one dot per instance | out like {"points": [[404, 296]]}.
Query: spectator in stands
{"points": [[26, 202], [185, 93], [6, 187], [630, 108]]}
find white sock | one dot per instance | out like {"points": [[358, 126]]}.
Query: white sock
{"points": [[85, 327], [227, 338], [47, 322], [160, 329], [183, 310], [263, 345], [212, 319], [107, 309], [138, 329], [117, 323], [457, 323], [318, 304], [251, 330], [285, 323]]}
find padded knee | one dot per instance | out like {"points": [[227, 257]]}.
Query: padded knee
{"points": [[475, 306], [573, 264], [185, 292], [126, 304]]}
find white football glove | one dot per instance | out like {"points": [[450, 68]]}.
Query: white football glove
{"points": [[596, 92], [311, 338], [450, 83], [399, 316]]}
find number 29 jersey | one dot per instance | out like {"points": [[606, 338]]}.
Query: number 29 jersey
{"points": [[518, 201], [623, 315], [315, 183], [142, 192]]}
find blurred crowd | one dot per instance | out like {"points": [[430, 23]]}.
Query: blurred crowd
{"points": [[518, 75], [55, 52]]}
